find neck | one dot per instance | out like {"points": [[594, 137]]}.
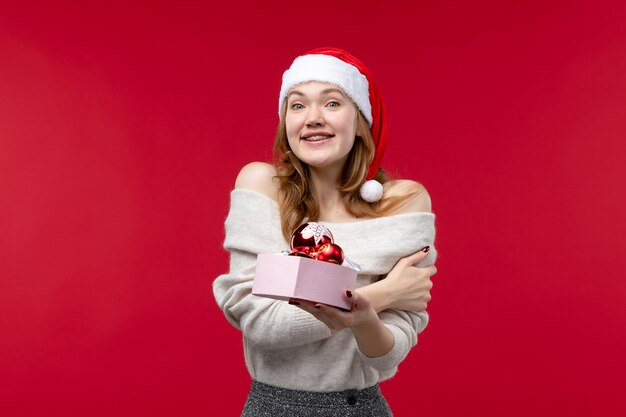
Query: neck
{"points": [[324, 186]]}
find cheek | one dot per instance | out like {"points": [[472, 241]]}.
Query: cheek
{"points": [[348, 122], [292, 126], [291, 135], [350, 144]]}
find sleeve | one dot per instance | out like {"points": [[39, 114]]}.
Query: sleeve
{"points": [[265, 323], [405, 326]]}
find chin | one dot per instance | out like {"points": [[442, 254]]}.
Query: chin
{"points": [[323, 161], [320, 164]]}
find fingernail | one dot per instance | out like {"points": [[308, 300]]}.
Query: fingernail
{"points": [[349, 294], [426, 249], [294, 303]]}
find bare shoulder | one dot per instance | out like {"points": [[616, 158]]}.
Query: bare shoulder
{"points": [[419, 203], [259, 177]]}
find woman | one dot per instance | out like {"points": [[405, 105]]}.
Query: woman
{"points": [[308, 359]]}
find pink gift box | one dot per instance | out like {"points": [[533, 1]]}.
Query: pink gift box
{"points": [[283, 277]]}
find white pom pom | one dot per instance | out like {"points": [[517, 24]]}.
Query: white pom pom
{"points": [[371, 191]]}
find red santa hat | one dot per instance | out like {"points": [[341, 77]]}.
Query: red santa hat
{"points": [[335, 66]]}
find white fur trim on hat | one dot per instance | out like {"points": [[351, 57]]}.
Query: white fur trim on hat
{"points": [[371, 191], [326, 68]]}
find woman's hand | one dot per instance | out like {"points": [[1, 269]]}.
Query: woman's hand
{"points": [[406, 287], [409, 286], [373, 338], [337, 319]]}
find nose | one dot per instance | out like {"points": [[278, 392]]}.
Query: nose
{"points": [[314, 117]]}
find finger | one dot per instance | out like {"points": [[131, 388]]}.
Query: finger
{"points": [[417, 257], [299, 302], [359, 301], [333, 317], [331, 311], [302, 302], [348, 296], [305, 305], [432, 269], [426, 271]]}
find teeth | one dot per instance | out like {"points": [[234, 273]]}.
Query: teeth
{"points": [[317, 138]]}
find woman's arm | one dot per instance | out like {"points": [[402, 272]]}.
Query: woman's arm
{"points": [[407, 286], [373, 338], [265, 323], [252, 229], [383, 340]]}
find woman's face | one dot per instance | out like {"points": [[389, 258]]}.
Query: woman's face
{"points": [[321, 124]]}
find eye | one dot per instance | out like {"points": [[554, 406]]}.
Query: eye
{"points": [[333, 104], [297, 106]]}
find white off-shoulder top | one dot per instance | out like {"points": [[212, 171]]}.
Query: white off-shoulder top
{"points": [[287, 347]]}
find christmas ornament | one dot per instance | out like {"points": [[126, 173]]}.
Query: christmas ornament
{"points": [[303, 251], [329, 252], [314, 241], [310, 235]]}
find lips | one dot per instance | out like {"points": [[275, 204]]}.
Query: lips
{"points": [[316, 136]]}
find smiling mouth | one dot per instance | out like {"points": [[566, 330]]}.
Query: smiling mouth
{"points": [[317, 138]]}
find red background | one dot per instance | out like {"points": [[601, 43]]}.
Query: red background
{"points": [[123, 126]]}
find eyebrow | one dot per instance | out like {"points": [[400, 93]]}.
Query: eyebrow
{"points": [[325, 91]]}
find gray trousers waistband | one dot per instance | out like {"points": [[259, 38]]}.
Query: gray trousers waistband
{"points": [[268, 400]]}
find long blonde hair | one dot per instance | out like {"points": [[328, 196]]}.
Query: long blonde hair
{"points": [[297, 203]]}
